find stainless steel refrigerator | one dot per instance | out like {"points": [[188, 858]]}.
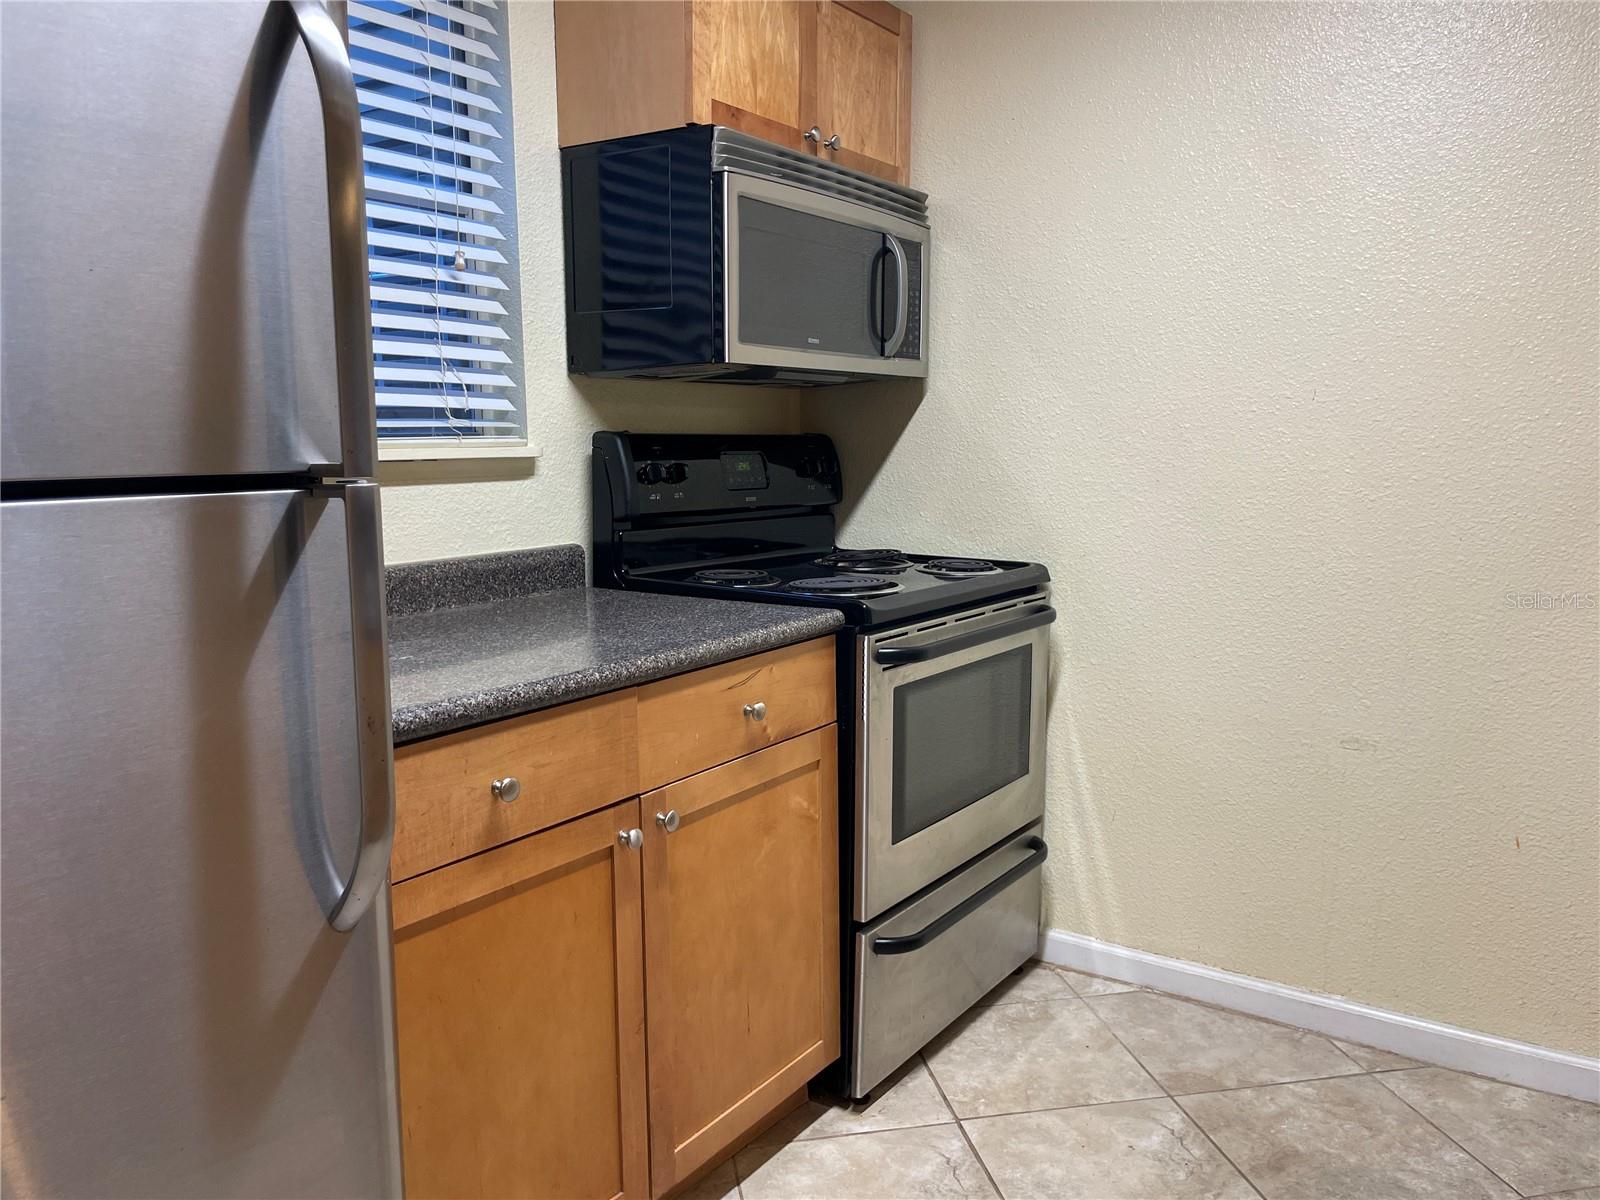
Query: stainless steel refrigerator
{"points": [[195, 763]]}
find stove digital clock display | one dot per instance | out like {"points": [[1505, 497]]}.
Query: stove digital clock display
{"points": [[744, 470]]}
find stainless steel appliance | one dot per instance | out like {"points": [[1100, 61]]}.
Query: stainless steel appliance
{"points": [[197, 807], [704, 253], [942, 693]]}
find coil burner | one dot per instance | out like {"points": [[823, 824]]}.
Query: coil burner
{"points": [[737, 577], [843, 585], [958, 568]]}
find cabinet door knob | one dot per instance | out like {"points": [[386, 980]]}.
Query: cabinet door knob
{"points": [[630, 839], [756, 711], [832, 143], [814, 134], [668, 820], [506, 790]]}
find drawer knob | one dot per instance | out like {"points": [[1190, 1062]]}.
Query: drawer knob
{"points": [[814, 134], [668, 820], [833, 143], [506, 790], [756, 711], [630, 839]]}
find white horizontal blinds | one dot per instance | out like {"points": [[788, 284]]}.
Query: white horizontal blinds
{"points": [[441, 236]]}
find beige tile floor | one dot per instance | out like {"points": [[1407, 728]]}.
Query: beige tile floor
{"points": [[1062, 1086]]}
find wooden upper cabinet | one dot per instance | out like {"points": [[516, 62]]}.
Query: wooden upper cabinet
{"points": [[772, 68], [864, 86], [754, 67]]}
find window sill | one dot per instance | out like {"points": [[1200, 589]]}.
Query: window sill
{"points": [[430, 451]]}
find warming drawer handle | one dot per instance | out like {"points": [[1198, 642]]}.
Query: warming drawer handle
{"points": [[893, 656], [916, 941], [347, 234]]}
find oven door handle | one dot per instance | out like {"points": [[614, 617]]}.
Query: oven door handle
{"points": [[916, 941], [894, 656]]}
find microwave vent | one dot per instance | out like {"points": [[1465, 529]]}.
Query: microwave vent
{"points": [[735, 151]]}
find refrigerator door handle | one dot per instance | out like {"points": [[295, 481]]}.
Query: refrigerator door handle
{"points": [[374, 731], [347, 233]]}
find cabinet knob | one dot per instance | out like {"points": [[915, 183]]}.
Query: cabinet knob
{"points": [[756, 711], [814, 134], [506, 790], [668, 820], [832, 143], [630, 839]]}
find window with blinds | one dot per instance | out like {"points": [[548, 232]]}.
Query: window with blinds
{"points": [[441, 220]]}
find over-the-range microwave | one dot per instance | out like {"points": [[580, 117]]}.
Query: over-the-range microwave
{"points": [[704, 253]]}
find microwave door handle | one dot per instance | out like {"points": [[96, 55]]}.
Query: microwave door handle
{"points": [[895, 656], [902, 288]]}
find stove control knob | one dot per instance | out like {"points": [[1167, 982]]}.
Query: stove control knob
{"points": [[652, 472], [677, 472]]}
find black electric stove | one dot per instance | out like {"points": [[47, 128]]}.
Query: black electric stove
{"points": [[942, 671], [752, 518]]}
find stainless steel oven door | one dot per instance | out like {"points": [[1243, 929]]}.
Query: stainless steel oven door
{"points": [[816, 281], [951, 755]]}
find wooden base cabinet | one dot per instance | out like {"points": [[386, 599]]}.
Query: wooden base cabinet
{"points": [[741, 931], [597, 998], [520, 1018]]}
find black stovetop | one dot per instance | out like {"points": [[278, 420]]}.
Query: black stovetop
{"points": [[872, 592], [751, 517]]}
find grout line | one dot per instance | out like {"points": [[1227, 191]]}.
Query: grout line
{"points": [[1126, 987], [1171, 1099], [965, 1136], [849, 1133], [1249, 1087], [1516, 1191], [1416, 1063], [1346, 1055]]}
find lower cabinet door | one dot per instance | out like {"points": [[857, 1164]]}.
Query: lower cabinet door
{"points": [[519, 1010], [742, 927]]}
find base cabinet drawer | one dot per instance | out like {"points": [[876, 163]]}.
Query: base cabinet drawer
{"points": [[465, 792], [741, 929], [714, 715], [519, 1011]]}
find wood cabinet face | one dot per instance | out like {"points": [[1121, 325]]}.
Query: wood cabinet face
{"points": [[520, 1018], [771, 68], [691, 722], [753, 66], [566, 761], [864, 86], [742, 927]]}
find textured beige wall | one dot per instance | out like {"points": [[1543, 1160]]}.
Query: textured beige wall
{"points": [[434, 510], [1273, 330]]}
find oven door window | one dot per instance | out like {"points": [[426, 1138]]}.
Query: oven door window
{"points": [[959, 736], [807, 282]]}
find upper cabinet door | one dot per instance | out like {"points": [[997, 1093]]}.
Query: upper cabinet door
{"points": [[754, 67], [167, 287], [863, 86]]}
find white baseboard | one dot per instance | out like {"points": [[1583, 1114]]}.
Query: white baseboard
{"points": [[1427, 1041]]}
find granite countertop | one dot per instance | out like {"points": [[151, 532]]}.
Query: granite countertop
{"points": [[477, 639]]}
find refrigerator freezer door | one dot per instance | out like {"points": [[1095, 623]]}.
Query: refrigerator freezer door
{"points": [[181, 805], [167, 294]]}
